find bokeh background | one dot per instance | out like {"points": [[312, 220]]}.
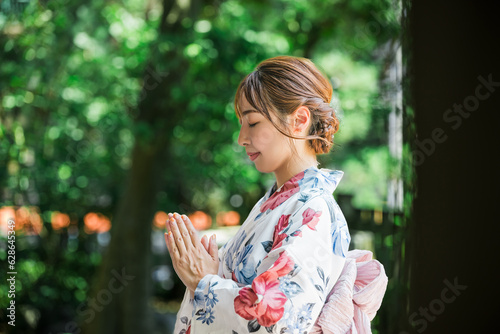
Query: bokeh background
{"points": [[113, 113]]}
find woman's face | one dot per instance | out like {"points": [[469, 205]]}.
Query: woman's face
{"points": [[264, 144]]}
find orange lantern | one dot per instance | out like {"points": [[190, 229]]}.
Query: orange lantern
{"points": [[230, 218], [6, 213], [96, 222], [160, 219], [28, 220], [59, 220], [200, 220]]}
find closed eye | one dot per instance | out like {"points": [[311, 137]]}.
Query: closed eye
{"points": [[252, 125]]}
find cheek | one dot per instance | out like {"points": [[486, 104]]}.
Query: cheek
{"points": [[270, 140], [264, 136]]}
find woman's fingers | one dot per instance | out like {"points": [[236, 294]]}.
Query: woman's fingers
{"points": [[186, 251], [192, 231], [186, 234], [177, 235], [171, 246], [204, 242], [213, 249]]}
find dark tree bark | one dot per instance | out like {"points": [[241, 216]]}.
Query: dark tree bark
{"points": [[119, 301]]}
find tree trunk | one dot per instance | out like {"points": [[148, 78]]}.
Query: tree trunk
{"points": [[119, 300]]}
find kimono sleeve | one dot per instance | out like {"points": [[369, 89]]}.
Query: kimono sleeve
{"points": [[292, 281]]}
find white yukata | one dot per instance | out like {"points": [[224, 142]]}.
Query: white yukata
{"points": [[276, 272]]}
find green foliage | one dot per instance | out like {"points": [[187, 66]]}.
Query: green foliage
{"points": [[79, 68], [72, 75], [52, 279]]}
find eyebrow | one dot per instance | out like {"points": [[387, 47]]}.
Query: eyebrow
{"points": [[247, 112]]}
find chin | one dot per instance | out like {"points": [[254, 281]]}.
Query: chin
{"points": [[261, 168], [265, 169]]}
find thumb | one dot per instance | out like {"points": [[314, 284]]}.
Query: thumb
{"points": [[213, 250]]}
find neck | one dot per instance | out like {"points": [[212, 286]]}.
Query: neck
{"points": [[293, 168]]}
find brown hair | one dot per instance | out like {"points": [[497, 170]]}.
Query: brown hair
{"points": [[284, 83]]}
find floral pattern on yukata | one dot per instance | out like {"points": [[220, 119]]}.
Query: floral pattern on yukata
{"points": [[277, 270]]}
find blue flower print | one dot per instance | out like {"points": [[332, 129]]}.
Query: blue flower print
{"points": [[232, 249], [327, 179], [304, 197], [289, 288], [310, 179], [341, 240], [244, 268], [260, 214], [297, 327], [207, 316], [298, 320], [211, 297], [198, 295], [339, 229], [304, 313]]}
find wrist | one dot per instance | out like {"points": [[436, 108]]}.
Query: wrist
{"points": [[196, 283]]}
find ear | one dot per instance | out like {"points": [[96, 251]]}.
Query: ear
{"points": [[300, 119]]}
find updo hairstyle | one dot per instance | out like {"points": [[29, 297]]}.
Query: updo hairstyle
{"points": [[281, 85]]}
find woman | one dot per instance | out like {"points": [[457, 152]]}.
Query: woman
{"points": [[275, 274]]}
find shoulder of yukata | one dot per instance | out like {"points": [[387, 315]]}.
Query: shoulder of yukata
{"points": [[307, 193], [312, 197], [291, 221], [316, 199]]}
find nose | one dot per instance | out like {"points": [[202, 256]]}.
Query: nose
{"points": [[243, 136]]}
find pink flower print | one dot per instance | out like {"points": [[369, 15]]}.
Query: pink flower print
{"points": [[282, 266], [277, 237], [244, 303], [282, 223], [311, 218], [289, 188], [264, 301], [278, 240]]}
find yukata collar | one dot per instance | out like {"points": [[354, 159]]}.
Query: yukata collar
{"points": [[309, 178], [324, 178]]}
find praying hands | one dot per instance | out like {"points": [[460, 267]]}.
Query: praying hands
{"points": [[192, 259]]}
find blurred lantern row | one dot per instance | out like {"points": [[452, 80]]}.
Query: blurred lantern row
{"points": [[201, 220], [28, 220]]}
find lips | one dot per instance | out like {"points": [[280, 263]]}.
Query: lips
{"points": [[253, 155]]}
